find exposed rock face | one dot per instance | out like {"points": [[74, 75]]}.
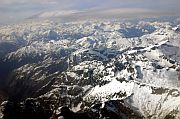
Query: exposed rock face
{"points": [[124, 69], [52, 35], [29, 109], [68, 114], [33, 108]]}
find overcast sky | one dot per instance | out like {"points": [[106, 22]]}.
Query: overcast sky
{"points": [[19, 9]]}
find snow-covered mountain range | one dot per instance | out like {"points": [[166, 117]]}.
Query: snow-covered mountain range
{"points": [[131, 68]]}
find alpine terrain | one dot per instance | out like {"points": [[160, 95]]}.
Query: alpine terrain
{"points": [[91, 69]]}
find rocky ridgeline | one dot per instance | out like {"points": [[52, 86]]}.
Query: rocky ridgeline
{"points": [[97, 69], [46, 109]]}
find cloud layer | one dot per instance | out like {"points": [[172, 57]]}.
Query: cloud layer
{"points": [[18, 9]]}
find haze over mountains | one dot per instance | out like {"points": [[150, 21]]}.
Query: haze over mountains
{"points": [[17, 10], [130, 68], [103, 59]]}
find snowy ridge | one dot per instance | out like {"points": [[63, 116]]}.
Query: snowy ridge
{"points": [[113, 90], [81, 63]]}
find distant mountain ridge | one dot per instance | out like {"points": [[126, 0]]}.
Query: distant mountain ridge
{"points": [[122, 69]]}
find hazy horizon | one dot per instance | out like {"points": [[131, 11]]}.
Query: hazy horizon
{"points": [[15, 10]]}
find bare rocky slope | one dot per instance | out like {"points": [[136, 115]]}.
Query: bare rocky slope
{"points": [[116, 69]]}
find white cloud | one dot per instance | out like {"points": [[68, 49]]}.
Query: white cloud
{"points": [[22, 8]]}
